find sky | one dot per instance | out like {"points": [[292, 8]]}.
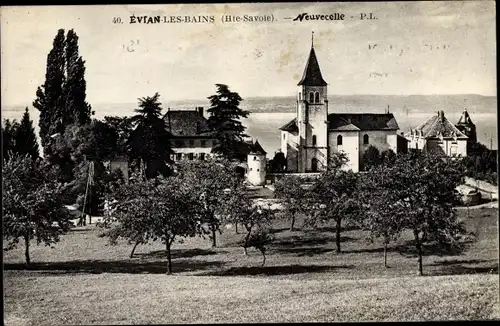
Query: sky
{"points": [[421, 48]]}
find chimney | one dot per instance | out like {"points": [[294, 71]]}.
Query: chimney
{"points": [[200, 111]]}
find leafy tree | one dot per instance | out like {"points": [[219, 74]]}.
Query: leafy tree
{"points": [[122, 127], [371, 158], [9, 132], [420, 191], [32, 204], [335, 195], [278, 163], [26, 142], [210, 181], [131, 219], [155, 209], [240, 209], [224, 119], [387, 157], [379, 215], [149, 142], [481, 163], [294, 196], [260, 240]]}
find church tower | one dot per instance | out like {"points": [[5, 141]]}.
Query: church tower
{"points": [[312, 117], [466, 126]]}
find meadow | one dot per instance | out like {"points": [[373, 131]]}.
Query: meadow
{"points": [[84, 280]]}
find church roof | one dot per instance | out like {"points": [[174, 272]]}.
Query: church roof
{"points": [[465, 119], [439, 126], [290, 126], [257, 149], [312, 74], [361, 121], [187, 123]]}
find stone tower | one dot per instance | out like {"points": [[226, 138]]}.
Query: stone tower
{"points": [[312, 117], [466, 126], [256, 161]]}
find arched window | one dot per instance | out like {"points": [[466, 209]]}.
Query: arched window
{"points": [[316, 97], [300, 96], [314, 140], [339, 140], [314, 164], [311, 97], [366, 139]]}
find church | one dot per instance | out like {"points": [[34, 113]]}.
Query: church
{"points": [[314, 135]]}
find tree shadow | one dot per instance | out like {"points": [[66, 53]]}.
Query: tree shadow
{"points": [[408, 249], [278, 230], [304, 240], [118, 266], [457, 267], [179, 253], [274, 270], [332, 229], [303, 251]]}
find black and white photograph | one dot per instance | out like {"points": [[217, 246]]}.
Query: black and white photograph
{"points": [[287, 162]]}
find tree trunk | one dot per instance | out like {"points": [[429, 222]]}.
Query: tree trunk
{"points": [[293, 223], [27, 250], [245, 245], [337, 239], [419, 248], [264, 258], [133, 249], [385, 254], [169, 257], [214, 239]]}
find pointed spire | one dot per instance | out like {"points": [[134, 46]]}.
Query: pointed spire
{"points": [[312, 74], [257, 149]]}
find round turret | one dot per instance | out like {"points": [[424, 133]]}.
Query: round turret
{"points": [[256, 161]]}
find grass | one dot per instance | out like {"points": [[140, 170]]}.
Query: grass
{"points": [[83, 280]]}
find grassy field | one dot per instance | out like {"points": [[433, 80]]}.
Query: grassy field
{"points": [[83, 280]]}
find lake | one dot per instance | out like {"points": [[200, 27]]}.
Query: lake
{"points": [[268, 114]]}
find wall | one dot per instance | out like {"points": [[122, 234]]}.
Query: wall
{"points": [[381, 139], [292, 158], [350, 146], [446, 146], [196, 148]]}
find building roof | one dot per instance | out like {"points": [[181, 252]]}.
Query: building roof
{"points": [[312, 74], [439, 126], [187, 123], [465, 119], [257, 149], [290, 126], [361, 121]]}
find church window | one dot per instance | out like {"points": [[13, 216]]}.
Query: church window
{"points": [[300, 96], [339, 140], [190, 156], [179, 156], [316, 97], [202, 156], [311, 97], [255, 158], [314, 140], [284, 136], [257, 170], [366, 139]]}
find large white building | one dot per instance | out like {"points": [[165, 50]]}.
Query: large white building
{"points": [[438, 134], [310, 139]]}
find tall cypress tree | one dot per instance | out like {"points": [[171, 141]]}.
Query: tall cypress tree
{"points": [[9, 131], [26, 142], [77, 109], [61, 99], [49, 95]]}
